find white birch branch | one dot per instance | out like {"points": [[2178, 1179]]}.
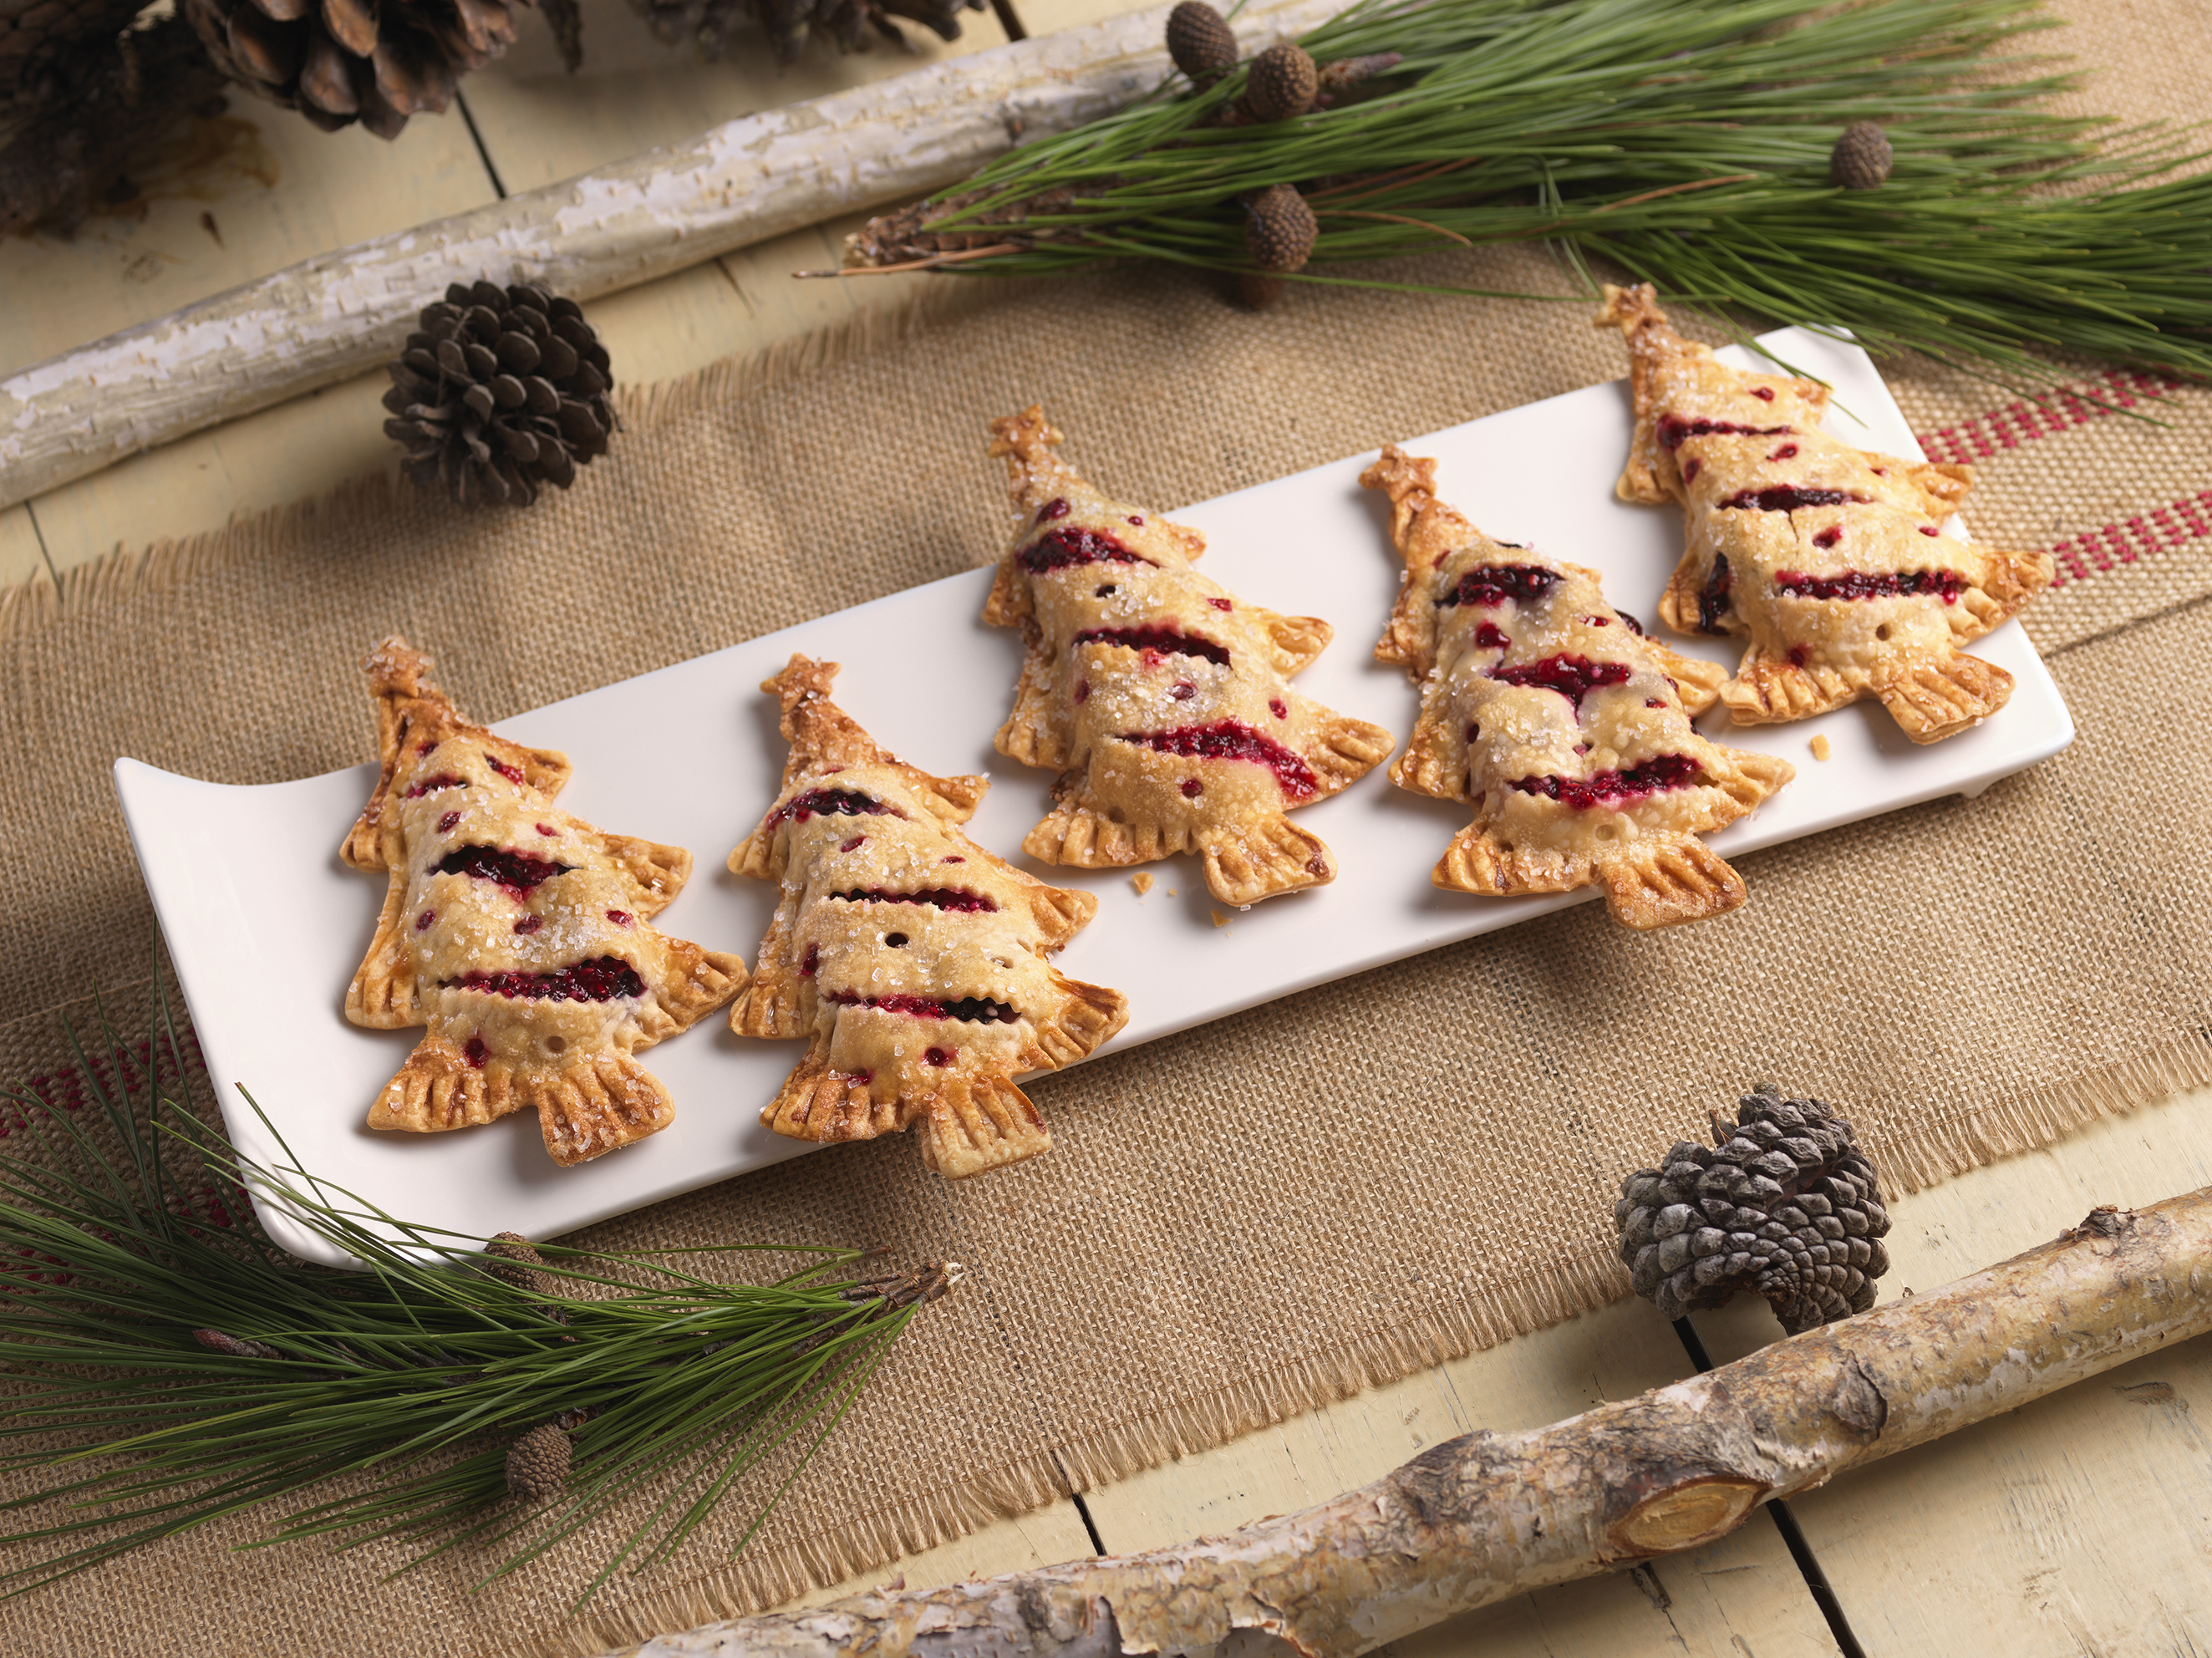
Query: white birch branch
{"points": [[1485, 1516], [345, 312]]}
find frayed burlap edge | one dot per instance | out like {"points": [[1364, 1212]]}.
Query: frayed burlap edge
{"points": [[1955, 1145]]}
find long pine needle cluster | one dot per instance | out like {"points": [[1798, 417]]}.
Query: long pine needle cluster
{"points": [[1685, 141], [167, 1366]]}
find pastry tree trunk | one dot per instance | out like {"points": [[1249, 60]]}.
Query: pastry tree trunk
{"points": [[1489, 1515]]}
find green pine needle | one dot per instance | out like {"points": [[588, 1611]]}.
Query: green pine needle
{"points": [[120, 1244], [1686, 140]]}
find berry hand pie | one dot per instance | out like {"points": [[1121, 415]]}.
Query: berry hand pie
{"points": [[911, 959], [1831, 561], [1566, 730], [1161, 699], [517, 933]]}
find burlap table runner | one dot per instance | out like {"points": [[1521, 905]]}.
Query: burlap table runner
{"points": [[1245, 1221]]}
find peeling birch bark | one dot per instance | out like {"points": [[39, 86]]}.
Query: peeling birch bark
{"points": [[747, 181], [1485, 1516]]}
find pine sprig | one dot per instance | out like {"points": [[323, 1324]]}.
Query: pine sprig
{"points": [[1686, 140], [192, 1370]]}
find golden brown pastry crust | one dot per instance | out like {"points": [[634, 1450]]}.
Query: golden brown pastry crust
{"points": [[1565, 728], [496, 901], [912, 959], [1831, 561], [1161, 698]]}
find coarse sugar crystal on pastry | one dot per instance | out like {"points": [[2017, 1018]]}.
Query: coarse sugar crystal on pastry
{"points": [[1832, 562], [913, 960], [1554, 715], [1161, 698], [518, 934]]}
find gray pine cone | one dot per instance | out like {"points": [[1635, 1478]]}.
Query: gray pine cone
{"points": [[1785, 1204]]}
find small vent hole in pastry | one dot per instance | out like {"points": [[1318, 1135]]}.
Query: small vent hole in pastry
{"points": [[1608, 831], [556, 1044], [895, 940], [1117, 814], [1882, 632]]}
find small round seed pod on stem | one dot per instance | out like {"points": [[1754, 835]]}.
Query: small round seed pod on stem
{"points": [[1201, 42], [1281, 83], [1279, 229], [1862, 157], [537, 1462], [1783, 1204]]}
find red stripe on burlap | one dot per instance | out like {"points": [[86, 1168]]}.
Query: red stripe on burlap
{"points": [[2067, 406], [2158, 531]]}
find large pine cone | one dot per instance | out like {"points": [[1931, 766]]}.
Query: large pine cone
{"points": [[38, 38], [707, 24], [502, 390], [1787, 1205], [85, 107], [336, 62]]}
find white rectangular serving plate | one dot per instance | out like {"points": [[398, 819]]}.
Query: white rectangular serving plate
{"points": [[265, 940]]}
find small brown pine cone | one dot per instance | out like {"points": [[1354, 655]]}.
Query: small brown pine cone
{"points": [[503, 390], [1861, 159], [1278, 235], [1784, 1204], [1281, 83], [515, 1260], [1200, 41], [537, 1463], [233, 1346]]}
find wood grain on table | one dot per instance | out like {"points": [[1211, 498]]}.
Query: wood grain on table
{"points": [[2082, 1524]]}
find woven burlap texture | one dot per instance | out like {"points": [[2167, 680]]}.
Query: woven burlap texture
{"points": [[1245, 1221]]}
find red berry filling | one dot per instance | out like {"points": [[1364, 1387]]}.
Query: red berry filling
{"points": [[1929, 530], [1222, 603], [1231, 740], [1082, 691], [1183, 691], [938, 1056], [1279, 708], [1788, 497], [952, 898], [1675, 431], [1493, 584], [422, 922], [619, 917], [973, 1009], [504, 770], [1491, 637], [1191, 788], [1655, 702], [1062, 550], [1164, 640], [1786, 451], [854, 844], [1713, 596], [1630, 623], [1056, 508], [1945, 585], [811, 963], [1799, 656], [475, 1053], [1668, 771], [444, 780], [546, 829], [528, 925], [1573, 677], [1691, 468], [516, 872], [1763, 393], [603, 978], [830, 802], [446, 821], [1829, 536]]}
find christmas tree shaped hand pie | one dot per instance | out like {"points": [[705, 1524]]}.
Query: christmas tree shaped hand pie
{"points": [[516, 932], [1831, 560], [912, 960], [1566, 730], [1161, 698]]}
